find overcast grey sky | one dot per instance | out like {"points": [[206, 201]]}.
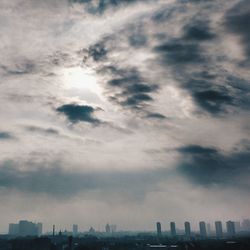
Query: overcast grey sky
{"points": [[127, 112]]}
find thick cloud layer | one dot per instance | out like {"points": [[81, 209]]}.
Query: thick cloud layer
{"points": [[5, 136], [76, 113], [124, 106], [208, 166]]}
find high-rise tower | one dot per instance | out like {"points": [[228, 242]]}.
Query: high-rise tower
{"points": [[187, 229], [172, 229], [158, 228], [218, 229], [203, 231]]}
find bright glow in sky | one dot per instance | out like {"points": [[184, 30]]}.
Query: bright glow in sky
{"points": [[82, 79]]}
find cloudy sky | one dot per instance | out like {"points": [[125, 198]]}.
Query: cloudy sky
{"points": [[124, 111]]}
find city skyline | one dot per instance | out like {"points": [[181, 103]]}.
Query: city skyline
{"points": [[124, 112], [218, 228]]}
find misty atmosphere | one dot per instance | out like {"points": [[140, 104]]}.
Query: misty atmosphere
{"points": [[124, 124]]}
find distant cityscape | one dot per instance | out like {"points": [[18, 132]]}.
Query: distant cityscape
{"points": [[26, 228], [231, 235]]}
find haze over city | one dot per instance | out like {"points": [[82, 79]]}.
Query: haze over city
{"points": [[124, 112]]}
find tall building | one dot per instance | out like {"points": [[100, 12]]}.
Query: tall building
{"points": [[203, 231], [172, 229], [54, 230], [13, 229], [158, 228], [218, 229], [230, 228], [108, 229], [75, 230], [27, 228], [187, 229]]}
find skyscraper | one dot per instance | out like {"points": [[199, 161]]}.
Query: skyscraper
{"points": [[203, 231], [54, 230], [158, 227], [218, 229], [172, 229], [107, 229], [75, 230], [230, 228], [187, 229]]}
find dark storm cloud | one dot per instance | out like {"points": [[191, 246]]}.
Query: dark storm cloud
{"points": [[212, 101], [131, 78], [187, 57], [137, 99], [77, 113], [237, 21], [53, 180], [156, 116], [140, 88], [134, 89], [208, 166], [5, 135], [178, 52], [209, 94], [198, 31], [97, 51]]}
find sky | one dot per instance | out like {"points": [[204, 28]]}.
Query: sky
{"points": [[124, 112]]}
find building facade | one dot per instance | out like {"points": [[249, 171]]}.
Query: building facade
{"points": [[203, 230], [218, 229]]}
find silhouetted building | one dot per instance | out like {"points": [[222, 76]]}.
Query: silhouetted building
{"points": [[172, 229], [230, 228], [13, 229], [108, 229], [27, 228], [75, 230], [158, 228], [203, 231], [218, 229], [54, 230], [187, 229]]}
